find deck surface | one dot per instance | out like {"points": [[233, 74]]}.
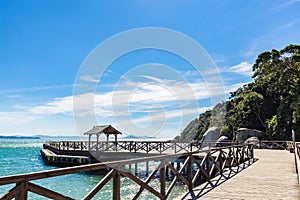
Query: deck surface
{"points": [[272, 176]]}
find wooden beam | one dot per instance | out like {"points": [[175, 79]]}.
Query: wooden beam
{"points": [[46, 192], [98, 187], [147, 181], [141, 183], [11, 193]]}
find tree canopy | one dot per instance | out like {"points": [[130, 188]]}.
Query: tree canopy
{"points": [[271, 103]]}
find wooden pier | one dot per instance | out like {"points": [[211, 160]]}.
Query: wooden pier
{"points": [[71, 153], [192, 171], [230, 172], [272, 176]]}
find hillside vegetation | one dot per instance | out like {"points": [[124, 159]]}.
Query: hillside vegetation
{"points": [[271, 103]]}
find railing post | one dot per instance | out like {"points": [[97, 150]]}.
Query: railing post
{"points": [[174, 143], [190, 173], [207, 164], [163, 179], [147, 147], [295, 151], [160, 148], [116, 186], [23, 191]]}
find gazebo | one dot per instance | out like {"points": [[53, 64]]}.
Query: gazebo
{"points": [[103, 129]]}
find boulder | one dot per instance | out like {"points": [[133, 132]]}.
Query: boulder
{"points": [[223, 141], [210, 136], [243, 134], [253, 140]]}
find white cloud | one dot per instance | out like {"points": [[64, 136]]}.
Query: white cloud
{"points": [[15, 118], [243, 68], [59, 105], [152, 101], [142, 103], [161, 92], [17, 91], [89, 79]]}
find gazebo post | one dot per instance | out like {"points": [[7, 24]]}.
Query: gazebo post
{"points": [[89, 142], [98, 130], [116, 140], [97, 148], [107, 138]]}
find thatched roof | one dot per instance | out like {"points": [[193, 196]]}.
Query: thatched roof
{"points": [[106, 129]]}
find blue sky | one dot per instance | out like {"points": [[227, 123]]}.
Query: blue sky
{"points": [[44, 43]]}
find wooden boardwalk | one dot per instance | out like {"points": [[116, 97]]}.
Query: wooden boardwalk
{"points": [[272, 176]]}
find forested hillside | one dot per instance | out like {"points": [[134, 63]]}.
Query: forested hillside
{"points": [[271, 103]]}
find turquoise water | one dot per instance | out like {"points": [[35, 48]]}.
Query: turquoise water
{"points": [[23, 156]]}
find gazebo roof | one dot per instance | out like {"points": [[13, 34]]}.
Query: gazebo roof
{"points": [[106, 129]]}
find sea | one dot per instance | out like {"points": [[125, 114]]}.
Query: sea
{"points": [[21, 156]]}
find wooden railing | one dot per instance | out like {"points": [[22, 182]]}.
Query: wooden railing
{"points": [[193, 171], [130, 146], [297, 159], [69, 145]]}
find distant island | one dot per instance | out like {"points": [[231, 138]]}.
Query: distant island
{"points": [[48, 137], [19, 137], [137, 137]]}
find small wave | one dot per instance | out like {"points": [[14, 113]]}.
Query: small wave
{"points": [[12, 144]]}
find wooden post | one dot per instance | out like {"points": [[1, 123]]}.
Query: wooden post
{"points": [[147, 148], [178, 166], [207, 163], [163, 180], [116, 144], [23, 191], [174, 143], [136, 168], [160, 148], [116, 186], [295, 151], [97, 142], [167, 172], [171, 172], [130, 146], [147, 168], [107, 138], [190, 174], [89, 142]]}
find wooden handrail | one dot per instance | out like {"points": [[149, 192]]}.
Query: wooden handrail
{"points": [[215, 161]]}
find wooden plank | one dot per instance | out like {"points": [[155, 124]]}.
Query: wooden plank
{"points": [[46, 192], [270, 177]]}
